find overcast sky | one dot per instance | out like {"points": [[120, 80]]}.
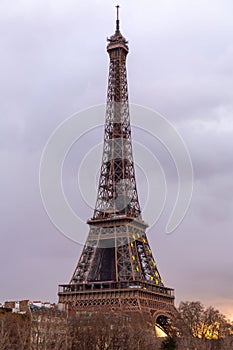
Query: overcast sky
{"points": [[54, 63]]}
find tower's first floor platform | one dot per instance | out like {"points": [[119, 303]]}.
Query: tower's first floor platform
{"points": [[125, 296]]}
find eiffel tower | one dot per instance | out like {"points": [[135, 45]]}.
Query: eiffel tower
{"points": [[116, 269]]}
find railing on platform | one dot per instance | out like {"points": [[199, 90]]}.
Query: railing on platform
{"points": [[111, 285]]}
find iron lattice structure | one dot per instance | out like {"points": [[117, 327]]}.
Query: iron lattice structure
{"points": [[117, 193], [116, 268]]}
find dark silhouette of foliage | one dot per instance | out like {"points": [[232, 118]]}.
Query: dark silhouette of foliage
{"points": [[14, 331], [168, 343], [195, 328]]}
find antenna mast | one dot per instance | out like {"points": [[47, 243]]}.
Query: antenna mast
{"points": [[117, 21]]}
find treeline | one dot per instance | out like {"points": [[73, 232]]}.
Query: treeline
{"points": [[200, 328], [194, 328], [14, 331]]}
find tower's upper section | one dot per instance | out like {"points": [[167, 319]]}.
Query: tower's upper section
{"points": [[117, 41], [117, 193]]}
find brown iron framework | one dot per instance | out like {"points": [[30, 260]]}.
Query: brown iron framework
{"points": [[116, 268]]}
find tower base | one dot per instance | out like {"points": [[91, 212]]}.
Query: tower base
{"points": [[128, 296]]}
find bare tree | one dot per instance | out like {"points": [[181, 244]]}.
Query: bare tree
{"points": [[195, 328], [202, 329], [14, 332], [112, 331], [4, 335], [48, 330], [192, 315]]}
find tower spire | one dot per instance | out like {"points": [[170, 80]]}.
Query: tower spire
{"points": [[117, 20]]}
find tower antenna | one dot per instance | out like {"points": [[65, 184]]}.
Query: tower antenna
{"points": [[118, 20]]}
